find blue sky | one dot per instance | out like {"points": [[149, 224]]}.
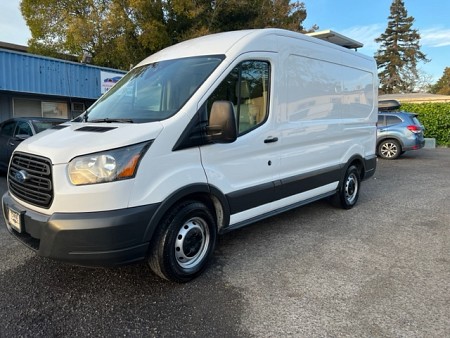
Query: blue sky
{"points": [[361, 20], [365, 20]]}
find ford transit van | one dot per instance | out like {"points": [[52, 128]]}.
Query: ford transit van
{"points": [[198, 139]]}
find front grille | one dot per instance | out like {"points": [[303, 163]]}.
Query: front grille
{"points": [[30, 179]]}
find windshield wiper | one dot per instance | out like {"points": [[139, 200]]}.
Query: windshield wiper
{"points": [[108, 120]]}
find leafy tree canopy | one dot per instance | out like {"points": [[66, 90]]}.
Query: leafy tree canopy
{"points": [[119, 33], [399, 53], [442, 87]]}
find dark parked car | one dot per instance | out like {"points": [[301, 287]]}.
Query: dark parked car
{"points": [[398, 131], [15, 130]]}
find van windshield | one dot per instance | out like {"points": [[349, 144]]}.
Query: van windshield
{"points": [[153, 92]]}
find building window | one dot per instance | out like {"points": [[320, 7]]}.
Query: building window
{"points": [[38, 108], [25, 107], [55, 109], [78, 107]]}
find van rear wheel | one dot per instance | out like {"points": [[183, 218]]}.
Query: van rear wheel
{"points": [[348, 194], [184, 243]]}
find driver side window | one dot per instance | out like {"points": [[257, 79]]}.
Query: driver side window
{"points": [[23, 128], [247, 87]]}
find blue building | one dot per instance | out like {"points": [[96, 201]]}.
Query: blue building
{"points": [[33, 85]]}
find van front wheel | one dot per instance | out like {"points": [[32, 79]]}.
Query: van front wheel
{"points": [[184, 243], [348, 194]]}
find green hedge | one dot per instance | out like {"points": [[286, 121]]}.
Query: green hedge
{"points": [[436, 119]]}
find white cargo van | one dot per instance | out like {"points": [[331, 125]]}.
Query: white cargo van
{"points": [[198, 139]]}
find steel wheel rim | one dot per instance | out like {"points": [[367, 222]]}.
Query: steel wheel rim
{"points": [[192, 243], [351, 188], [389, 149]]}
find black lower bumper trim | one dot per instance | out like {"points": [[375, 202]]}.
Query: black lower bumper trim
{"points": [[103, 238]]}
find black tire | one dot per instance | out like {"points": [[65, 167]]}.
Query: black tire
{"points": [[348, 194], [184, 243], [389, 149]]}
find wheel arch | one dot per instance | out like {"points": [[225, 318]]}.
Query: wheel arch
{"points": [[202, 192], [390, 137], [358, 162]]}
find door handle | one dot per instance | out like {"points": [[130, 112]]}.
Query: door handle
{"points": [[271, 139]]}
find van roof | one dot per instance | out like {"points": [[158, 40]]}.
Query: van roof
{"points": [[222, 43]]}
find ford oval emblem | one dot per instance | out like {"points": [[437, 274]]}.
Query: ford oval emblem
{"points": [[21, 176]]}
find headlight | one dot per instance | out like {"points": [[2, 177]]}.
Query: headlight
{"points": [[107, 166]]}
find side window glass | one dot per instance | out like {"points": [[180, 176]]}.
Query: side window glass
{"points": [[23, 128], [247, 87], [8, 129], [391, 120], [381, 121]]}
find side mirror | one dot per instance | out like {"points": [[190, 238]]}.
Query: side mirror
{"points": [[222, 123]]}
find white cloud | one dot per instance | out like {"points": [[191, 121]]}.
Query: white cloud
{"points": [[365, 34], [435, 37], [429, 37], [13, 28]]}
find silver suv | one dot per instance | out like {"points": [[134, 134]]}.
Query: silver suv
{"points": [[397, 131]]}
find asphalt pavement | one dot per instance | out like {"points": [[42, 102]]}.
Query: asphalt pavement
{"points": [[381, 269]]}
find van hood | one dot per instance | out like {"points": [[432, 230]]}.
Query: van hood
{"points": [[73, 139]]}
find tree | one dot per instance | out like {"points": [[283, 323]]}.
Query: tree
{"points": [[113, 32], [442, 86], [399, 53], [117, 33], [423, 82]]}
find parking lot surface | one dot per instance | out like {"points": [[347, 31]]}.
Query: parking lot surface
{"points": [[381, 269]]}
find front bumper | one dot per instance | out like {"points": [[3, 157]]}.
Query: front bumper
{"points": [[103, 238]]}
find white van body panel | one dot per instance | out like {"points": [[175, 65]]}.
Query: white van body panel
{"points": [[91, 198], [316, 105], [233, 168], [163, 174], [318, 81], [65, 144], [228, 43], [314, 135]]}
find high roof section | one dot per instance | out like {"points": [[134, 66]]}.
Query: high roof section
{"points": [[213, 44], [244, 40], [337, 39]]}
